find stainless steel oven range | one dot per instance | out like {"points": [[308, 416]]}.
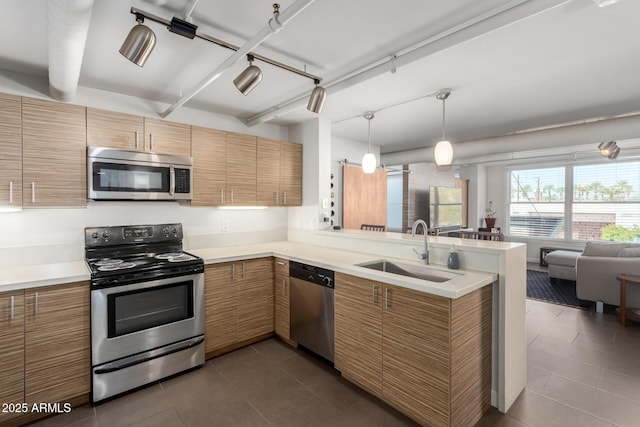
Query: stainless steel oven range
{"points": [[147, 306]]}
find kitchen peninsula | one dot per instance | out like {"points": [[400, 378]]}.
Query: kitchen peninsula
{"points": [[498, 264]]}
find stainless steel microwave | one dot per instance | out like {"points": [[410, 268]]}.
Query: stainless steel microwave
{"points": [[134, 175]]}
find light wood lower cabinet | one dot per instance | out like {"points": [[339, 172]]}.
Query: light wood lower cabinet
{"points": [[282, 299], [11, 351], [428, 356], [57, 343], [239, 303]]}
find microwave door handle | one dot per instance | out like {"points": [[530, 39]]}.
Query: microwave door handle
{"points": [[172, 180]]}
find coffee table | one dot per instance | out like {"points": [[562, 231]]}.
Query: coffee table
{"points": [[624, 312]]}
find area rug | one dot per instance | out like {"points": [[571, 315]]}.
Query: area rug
{"points": [[563, 292]]}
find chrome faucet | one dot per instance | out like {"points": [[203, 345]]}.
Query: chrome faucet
{"points": [[414, 228]]}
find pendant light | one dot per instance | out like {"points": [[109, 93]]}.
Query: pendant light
{"points": [[443, 153], [369, 159]]}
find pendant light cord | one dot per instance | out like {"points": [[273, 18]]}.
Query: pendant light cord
{"points": [[369, 137], [443, 101]]}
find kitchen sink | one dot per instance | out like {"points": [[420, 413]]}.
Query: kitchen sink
{"points": [[409, 270]]}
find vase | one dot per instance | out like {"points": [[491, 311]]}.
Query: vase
{"points": [[491, 222]]}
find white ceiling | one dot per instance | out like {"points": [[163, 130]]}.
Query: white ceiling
{"points": [[565, 61]]}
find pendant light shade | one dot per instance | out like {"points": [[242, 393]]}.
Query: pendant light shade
{"points": [[139, 43], [316, 100], [443, 152], [248, 78], [369, 162]]}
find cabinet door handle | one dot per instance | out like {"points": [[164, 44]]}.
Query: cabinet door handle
{"points": [[244, 269], [222, 196], [33, 192], [11, 194], [12, 302], [233, 272], [284, 197], [386, 298], [373, 289], [277, 197], [150, 142], [232, 195], [137, 140], [280, 263], [284, 288], [35, 305]]}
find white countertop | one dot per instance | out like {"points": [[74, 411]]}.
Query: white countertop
{"points": [[334, 259]]}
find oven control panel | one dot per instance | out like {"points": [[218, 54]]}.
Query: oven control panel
{"points": [[107, 236]]}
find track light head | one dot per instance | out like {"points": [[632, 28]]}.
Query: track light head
{"points": [[139, 43], [249, 77], [609, 149], [317, 98]]}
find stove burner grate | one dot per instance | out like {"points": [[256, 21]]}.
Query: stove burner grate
{"points": [[169, 255]]}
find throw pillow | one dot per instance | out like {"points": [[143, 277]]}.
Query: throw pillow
{"points": [[629, 252], [603, 248]]}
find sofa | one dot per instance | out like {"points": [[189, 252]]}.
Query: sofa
{"points": [[597, 268]]}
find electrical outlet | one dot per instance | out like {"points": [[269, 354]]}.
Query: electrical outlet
{"points": [[225, 225]]}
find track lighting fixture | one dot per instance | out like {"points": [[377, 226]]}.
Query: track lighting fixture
{"points": [[609, 149], [443, 153], [139, 43], [249, 78], [369, 159], [316, 100], [141, 40]]}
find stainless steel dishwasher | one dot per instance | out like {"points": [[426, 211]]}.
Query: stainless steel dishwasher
{"points": [[311, 297]]}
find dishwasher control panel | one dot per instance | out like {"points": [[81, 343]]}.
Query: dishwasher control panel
{"points": [[310, 273]]}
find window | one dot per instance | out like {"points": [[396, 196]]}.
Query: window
{"points": [[603, 202]]}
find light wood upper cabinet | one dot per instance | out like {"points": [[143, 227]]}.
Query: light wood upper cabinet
{"points": [[11, 350], [241, 169], [426, 355], [54, 154], [114, 130], [10, 151], [291, 173], [279, 173], [163, 137], [57, 343], [282, 322], [358, 331], [268, 172], [130, 132], [209, 149]]}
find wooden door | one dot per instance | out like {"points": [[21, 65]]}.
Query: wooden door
{"points": [[163, 137], [291, 174], [54, 154], [255, 298], [220, 307], [57, 343], [114, 130], [416, 348], [358, 331], [241, 169], [10, 151], [268, 173], [282, 322], [209, 150], [11, 351], [364, 197]]}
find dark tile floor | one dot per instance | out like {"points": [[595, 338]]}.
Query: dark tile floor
{"points": [[583, 370]]}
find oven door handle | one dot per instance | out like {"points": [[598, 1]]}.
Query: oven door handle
{"points": [[148, 355]]}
